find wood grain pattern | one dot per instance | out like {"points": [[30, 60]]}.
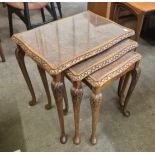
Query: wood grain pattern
{"points": [[100, 8], [141, 6]]}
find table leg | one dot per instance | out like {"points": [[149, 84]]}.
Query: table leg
{"points": [[124, 85], [20, 58], [135, 76], [140, 19], [95, 101], [120, 85], [58, 91], [65, 98], [76, 93], [1, 53], [45, 83]]}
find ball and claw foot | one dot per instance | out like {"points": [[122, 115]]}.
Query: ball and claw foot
{"points": [[32, 102], [93, 140], [48, 106], [63, 139], [76, 140]]}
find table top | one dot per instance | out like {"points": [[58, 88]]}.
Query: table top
{"points": [[101, 77], [81, 70], [142, 6], [60, 44]]}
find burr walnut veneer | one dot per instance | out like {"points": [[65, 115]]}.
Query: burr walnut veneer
{"points": [[59, 45]]}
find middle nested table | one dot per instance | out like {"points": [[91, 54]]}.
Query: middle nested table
{"points": [[57, 46]]}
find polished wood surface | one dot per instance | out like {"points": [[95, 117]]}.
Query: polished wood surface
{"points": [[141, 6], [61, 44], [100, 8]]}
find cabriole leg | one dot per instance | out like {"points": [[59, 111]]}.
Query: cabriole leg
{"points": [[65, 98], [123, 88], [1, 53], [76, 93], [20, 58], [135, 76], [58, 91], [120, 85], [95, 101], [45, 83]]}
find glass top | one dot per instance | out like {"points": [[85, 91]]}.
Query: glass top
{"points": [[62, 41], [115, 65], [84, 68]]}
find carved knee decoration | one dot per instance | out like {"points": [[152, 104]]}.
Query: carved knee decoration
{"points": [[58, 89]]}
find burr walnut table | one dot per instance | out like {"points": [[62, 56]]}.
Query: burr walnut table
{"points": [[83, 69], [128, 64], [59, 45], [123, 66]]}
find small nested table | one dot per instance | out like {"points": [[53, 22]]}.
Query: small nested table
{"points": [[81, 70], [59, 45], [97, 81]]}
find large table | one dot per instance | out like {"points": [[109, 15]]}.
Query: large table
{"points": [[57, 46]]}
